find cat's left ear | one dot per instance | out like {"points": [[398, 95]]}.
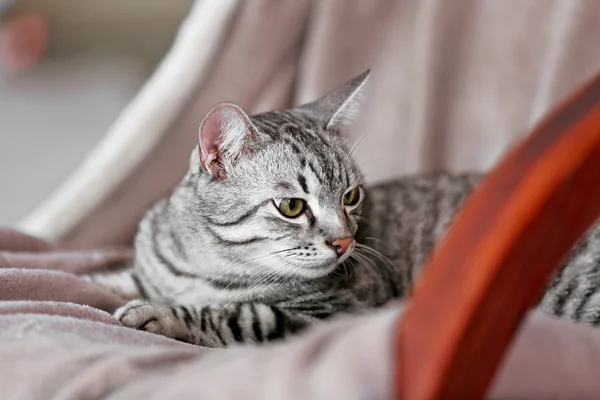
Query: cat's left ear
{"points": [[342, 106], [225, 135]]}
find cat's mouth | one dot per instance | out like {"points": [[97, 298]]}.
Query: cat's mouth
{"points": [[310, 261], [317, 271]]}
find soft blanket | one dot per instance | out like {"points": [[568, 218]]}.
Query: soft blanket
{"points": [[58, 340]]}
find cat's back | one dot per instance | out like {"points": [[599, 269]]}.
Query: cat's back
{"points": [[403, 218]]}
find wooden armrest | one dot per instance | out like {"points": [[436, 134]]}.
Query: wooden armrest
{"points": [[500, 253]]}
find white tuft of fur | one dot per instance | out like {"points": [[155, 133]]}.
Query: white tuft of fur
{"points": [[234, 132]]}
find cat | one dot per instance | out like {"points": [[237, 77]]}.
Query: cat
{"points": [[271, 230]]}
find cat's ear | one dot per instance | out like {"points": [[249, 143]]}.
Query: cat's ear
{"points": [[224, 136], [342, 106]]}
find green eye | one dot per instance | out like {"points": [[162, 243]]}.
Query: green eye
{"points": [[352, 197], [291, 207]]}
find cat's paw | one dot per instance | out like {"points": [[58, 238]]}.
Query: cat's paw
{"points": [[153, 318]]}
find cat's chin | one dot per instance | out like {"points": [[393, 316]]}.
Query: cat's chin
{"points": [[316, 271]]}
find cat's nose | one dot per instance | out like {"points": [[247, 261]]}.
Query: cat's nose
{"points": [[341, 245]]}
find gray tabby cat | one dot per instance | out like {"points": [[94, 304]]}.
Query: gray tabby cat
{"points": [[261, 237]]}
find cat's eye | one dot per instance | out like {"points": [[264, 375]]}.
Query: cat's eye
{"points": [[351, 197], [291, 208]]}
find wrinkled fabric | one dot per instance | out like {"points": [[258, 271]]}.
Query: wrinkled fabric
{"points": [[454, 84]]}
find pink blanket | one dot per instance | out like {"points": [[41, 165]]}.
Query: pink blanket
{"points": [[58, 340], [35, 270]]}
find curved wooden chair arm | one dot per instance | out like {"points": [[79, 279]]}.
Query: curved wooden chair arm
{"points": [[501, 251]]}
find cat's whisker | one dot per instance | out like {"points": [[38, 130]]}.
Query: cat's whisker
{"points": [[377, 254], [363, 220], [375, 240], [360, 166], [360, 257], [268, 274], [283, 283], [242, 274], [353, 149], [363, 258], [351, 264], [248, 289], [281, 273], [287, 263], [248, 261], [369, 260], [258, 277], [273, 253], [229, 270]]}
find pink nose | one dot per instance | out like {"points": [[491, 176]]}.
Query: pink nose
{"points": [[341, 245]]}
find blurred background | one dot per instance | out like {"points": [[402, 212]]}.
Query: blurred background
{"points": [[98, 54], [454, 84]]}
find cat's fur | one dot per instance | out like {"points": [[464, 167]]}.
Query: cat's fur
{"points": [[216, 263]]}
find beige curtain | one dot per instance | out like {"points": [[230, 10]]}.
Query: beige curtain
{"points": [[454, 83]]}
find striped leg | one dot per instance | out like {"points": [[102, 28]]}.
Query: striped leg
{"points": [[213, 326]]}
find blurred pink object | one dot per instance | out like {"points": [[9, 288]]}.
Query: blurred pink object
{"points": [[23, 42]]}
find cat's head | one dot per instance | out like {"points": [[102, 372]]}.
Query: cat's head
{"points": [[281, 189]]}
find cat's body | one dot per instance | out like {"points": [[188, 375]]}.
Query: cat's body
{"points": [[256, 242]]}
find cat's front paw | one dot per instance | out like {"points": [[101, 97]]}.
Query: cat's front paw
{"points": [[153, 318]]}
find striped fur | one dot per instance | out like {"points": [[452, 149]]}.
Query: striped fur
{"points": [[216, 264]]}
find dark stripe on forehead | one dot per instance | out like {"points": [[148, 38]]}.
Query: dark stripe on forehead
{"points": [[292, 130], [311, 141], [343, 173], [305, 137], [267, 127], [329, 166], [295, 148], [336, 167], [290, 142], [302, 182], [319, 138], [314, 171], [274, 121]]}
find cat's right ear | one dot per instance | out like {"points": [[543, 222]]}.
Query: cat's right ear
{"points": [[341, 107], [224, 136]]}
